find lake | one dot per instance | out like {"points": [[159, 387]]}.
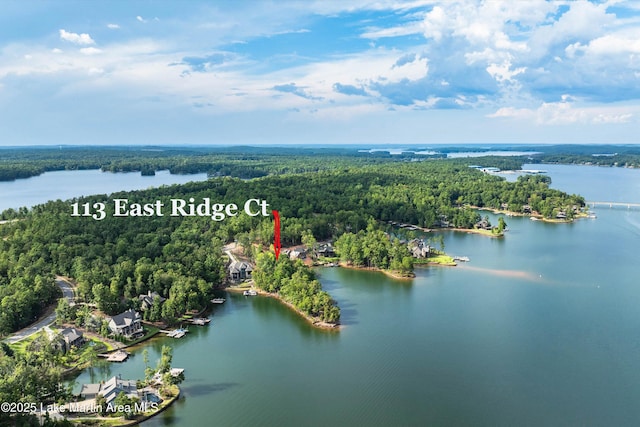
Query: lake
{"points": [[68, 184], [539, 328]]}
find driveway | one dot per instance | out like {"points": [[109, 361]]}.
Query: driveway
{"points": [[67, 292]]}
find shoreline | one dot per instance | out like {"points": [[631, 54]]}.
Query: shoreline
{"points": [[378, 270], [537, 216], [477, 231], [140, 418], [314, 321], [460, 230]]}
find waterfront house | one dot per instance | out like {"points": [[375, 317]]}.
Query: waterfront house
{"points": [[128, 324], [419, 248], [240, 270], [66, 339], [110, 389], [72, 338], [483, 225], [146, 300], [298, 254], [326, 250]]}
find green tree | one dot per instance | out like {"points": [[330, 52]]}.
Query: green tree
{"points": [[502, 225]]}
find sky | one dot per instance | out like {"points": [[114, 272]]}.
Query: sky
{"points": [[319, 72]]}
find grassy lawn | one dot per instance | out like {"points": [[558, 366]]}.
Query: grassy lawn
{"points": [[491, 233], [441, 259], [20, 347]]}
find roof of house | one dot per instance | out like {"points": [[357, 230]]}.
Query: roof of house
{"points": [[114, 385], [90, 389], [71, 334], [127, 318], [237, 266], [150, 296], [111, 388]]}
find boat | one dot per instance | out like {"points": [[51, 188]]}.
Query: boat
{"points": [[249, 292], [218, 301], [461, 258], [200, 321]]}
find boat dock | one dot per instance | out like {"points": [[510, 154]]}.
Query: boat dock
{"points": [[200, 321], [176, 333], [116, 356]]}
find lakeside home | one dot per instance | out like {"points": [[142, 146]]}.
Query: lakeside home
{"points": [[110, 389], [127, 324], [65, 339], [239, 270]]}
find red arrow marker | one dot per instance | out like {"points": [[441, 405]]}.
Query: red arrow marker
{"points": [[276, 233]]}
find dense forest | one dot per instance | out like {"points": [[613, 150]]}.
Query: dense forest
{"points": [[118, 258], [253, 162], [296, 284], [372, 248], [240, 162], [28, 378]]}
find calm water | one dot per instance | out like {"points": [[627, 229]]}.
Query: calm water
{"points": [[540, 328], [68, 184], [598, 184]]}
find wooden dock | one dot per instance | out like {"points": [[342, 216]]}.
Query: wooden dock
{"points": [[116, 356]]}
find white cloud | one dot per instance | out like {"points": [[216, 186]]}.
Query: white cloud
{"points": [[81, 39], [492, 63], [90, 51], [565, 113], [503, 72], [608, 45], [95, 71]]}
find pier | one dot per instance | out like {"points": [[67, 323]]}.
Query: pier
{"points": [[176, 333], [627, 205], [116, 356]]}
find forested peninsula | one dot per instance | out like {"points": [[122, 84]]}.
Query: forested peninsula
{"points": [[116, 259]]}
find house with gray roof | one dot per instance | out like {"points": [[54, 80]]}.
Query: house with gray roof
{"points": [[146, 300], [128, 324], [240, 270], [110, 389]]}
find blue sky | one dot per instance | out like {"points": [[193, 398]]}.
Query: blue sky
{"points": [[321, 72]]}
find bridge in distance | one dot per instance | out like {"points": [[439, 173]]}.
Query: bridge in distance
{"points": [[614, 204]]}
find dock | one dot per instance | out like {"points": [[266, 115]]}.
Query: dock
{"points": [[200, 321], [176, 333], [116, 356]]}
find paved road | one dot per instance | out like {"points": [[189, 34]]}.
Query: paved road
{"points": [[67, 292]]}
